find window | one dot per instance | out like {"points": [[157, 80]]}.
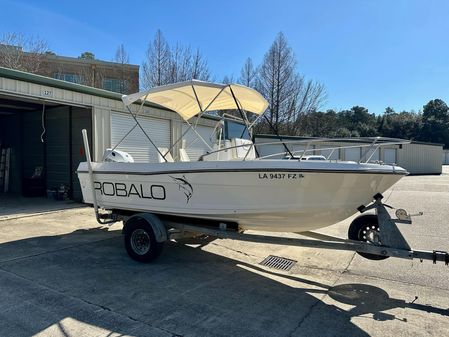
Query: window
{"points": [[116, 85], [74, 78], [236, 130]]}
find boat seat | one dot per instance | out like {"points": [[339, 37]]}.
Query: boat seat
{"points": [[244, 148], [168, 157], [183, 156]]}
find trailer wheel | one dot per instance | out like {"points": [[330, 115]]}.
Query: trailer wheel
{"points": [[140, 241], [365, 228]]}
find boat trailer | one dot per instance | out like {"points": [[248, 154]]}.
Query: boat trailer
{"points": [[373, 236]]}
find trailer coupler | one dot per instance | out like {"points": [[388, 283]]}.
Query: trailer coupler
{"points": [[439, 256], [434, 256]]}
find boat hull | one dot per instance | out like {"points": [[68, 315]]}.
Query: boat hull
{"points": [[281, 196]]}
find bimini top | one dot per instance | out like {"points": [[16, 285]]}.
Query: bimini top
{"points": [[192, 97]]}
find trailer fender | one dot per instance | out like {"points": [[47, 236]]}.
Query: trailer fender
{"points": [[160, 232]]}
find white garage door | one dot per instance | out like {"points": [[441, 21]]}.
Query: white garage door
{"points": [[352, 154], [136, 143], [195, 147], [389, 156]]}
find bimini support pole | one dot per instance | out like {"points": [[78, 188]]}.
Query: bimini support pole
{"points": [[91, 181]]}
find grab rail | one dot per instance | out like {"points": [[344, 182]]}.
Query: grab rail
{"points": [[374, 144]]}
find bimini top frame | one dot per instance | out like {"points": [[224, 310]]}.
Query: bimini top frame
{"points": [[193, 98]]}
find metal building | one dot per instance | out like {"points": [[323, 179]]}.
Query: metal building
{"points": [[416, 158], [445, 156], [41, 121]]}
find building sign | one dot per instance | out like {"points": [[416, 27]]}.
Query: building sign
{"points": [[47, 93]]}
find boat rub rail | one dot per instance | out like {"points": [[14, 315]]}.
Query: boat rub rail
{"points": [[249, 170]]}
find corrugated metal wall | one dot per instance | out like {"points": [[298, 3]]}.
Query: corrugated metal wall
{"points": [[64, 146], [81, 119], [421, 158]]}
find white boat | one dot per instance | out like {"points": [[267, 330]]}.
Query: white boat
{"points": [[233, 184]]}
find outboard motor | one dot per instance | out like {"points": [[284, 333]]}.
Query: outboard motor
{"points": [[117, 156]]}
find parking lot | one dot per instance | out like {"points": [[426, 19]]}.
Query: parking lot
{"points": [[61, 274]]}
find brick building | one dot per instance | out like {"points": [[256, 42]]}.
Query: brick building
{"points": [[112, 76], [117, 77]]}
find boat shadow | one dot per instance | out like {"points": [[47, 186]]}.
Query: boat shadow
{"points": [[86, 276], [364, 298]]}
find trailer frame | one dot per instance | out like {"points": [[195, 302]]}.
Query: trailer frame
{"points": [[154, 231], [393, 243]]}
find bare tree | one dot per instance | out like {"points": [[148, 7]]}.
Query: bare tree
{"points": [[200, 70], [230, 112], [20, 52], [122, 57], [157, 62], [277, 80], [228, 79], [287, 92], [310, 97], [248, 74], [180, 64], [164, 65]]}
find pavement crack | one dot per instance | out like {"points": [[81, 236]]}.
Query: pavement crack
{"points": [[348, 265], [307, 315], [40, 213], [397, 281], [235, 250], [55, 250], [101, 307], [320, 300], [350, 272], [134, 319], [299, 266]]}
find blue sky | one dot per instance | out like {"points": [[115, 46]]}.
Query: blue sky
{"points": [[370, 53]]}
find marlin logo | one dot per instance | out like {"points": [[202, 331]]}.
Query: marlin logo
{"points": [[185, 186]]}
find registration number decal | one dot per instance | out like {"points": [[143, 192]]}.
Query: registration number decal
{"points": [[277, 175]]}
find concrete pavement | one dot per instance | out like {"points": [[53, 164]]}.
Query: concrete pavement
{"points": [[63, 275]]}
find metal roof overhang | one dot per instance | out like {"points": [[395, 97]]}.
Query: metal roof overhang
{"points": [[55, 83]]}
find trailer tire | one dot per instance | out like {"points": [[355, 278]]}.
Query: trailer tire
{"points": [[358, 232], [140, 241]]}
